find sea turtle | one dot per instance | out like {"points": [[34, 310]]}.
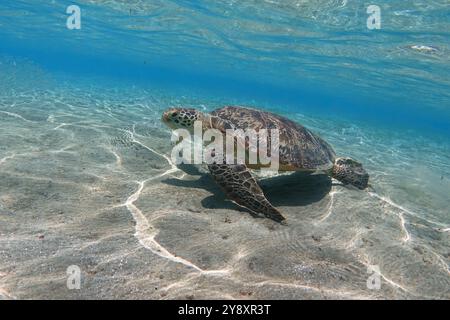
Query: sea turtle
{"points": [[299, 150]]}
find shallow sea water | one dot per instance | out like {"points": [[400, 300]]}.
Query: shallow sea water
{"points": [[86, 178], [87, 181]]}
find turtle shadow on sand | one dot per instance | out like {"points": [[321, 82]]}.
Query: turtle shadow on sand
{"points": [[295, 189]]}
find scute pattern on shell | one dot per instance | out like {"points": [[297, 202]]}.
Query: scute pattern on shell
{"points": [[299, 147]]}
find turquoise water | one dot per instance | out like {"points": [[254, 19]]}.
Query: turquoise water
{"points": [[85, 173]]}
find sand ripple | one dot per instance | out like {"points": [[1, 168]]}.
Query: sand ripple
{"points": [[88, 182]]}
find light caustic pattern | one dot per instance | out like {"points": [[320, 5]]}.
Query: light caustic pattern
{"points": [[76, 173]]}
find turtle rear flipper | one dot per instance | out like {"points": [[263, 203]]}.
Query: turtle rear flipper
{"points": [[240, 187]]}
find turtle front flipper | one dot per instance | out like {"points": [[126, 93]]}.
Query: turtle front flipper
{"points": [[240, 187]]}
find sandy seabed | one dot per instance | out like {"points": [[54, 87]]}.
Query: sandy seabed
{"points": [[85, 180]]}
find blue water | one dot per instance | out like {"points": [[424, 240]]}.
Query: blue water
{"points": [[375, 95], [315, 54]]}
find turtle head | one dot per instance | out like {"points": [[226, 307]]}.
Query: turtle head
{"points": [[349, 171], [181, 118]]}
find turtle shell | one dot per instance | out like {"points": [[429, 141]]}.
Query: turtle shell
{"points": [[300, 149]]}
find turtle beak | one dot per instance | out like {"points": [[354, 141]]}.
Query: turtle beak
{"points": [[166, 116]]}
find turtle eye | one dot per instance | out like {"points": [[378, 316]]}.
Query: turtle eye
{"points": [[174, 114]]}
